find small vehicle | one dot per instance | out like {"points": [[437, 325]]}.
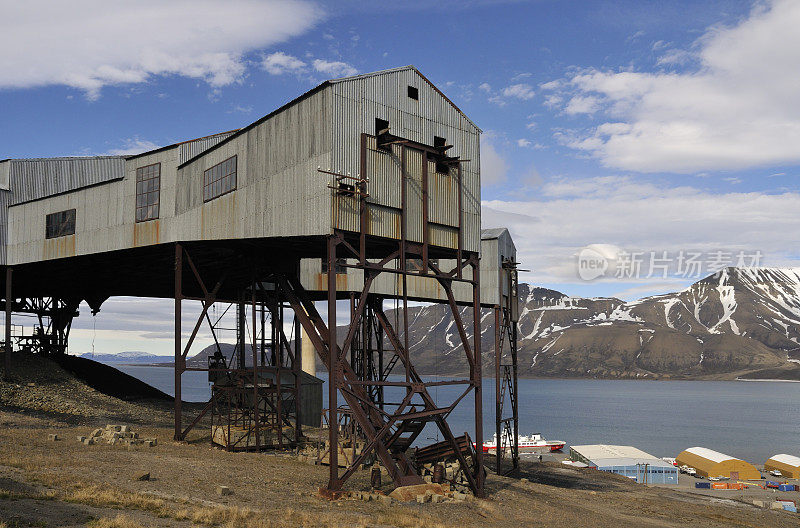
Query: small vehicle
{"points": [[691, 471], [776, 473]]}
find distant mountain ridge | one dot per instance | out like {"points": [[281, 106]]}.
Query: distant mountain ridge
{"points": [[737, 323], [128, 357]]}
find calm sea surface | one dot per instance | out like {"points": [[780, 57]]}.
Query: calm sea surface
{"points": [[750, 420]]}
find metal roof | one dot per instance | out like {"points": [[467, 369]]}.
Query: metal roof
{"points": [[36, 178], [490, 234], [710, 454], [602, 455], [786, 459]]}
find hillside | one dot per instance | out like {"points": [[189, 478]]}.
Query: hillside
{"points": [[735, 323]]}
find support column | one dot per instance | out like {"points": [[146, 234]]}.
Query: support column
{"points": [[7, 362], [178, 348], [477, 378], [333, 370], [297, 367], [498, 408]]}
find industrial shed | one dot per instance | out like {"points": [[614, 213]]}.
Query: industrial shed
{"points": [[788, 465], [364, 188], [627, 461], [710, 463]]}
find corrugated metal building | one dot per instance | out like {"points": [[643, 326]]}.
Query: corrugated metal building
{"points": [[788, 465], [279, 186], [627, 461], [710, 463]]}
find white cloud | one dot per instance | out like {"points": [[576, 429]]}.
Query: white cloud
{"points": [[519, 91], [494, 167], [485, 87], [134, 145], [279, 63], [580, 104], [740, 107], [569, 214], [334, 68], [89, 44], [523, 143]]}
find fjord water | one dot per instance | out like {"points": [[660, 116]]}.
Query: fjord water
{"points": [[749, 420]]}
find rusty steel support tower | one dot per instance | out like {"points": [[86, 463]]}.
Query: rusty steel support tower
{"points": [[506, 315], [250, 399]]}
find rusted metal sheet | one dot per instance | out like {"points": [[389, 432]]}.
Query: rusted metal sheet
{"points": [[146, 233], [443, 236], [60, 247], [218, 218], [442, 197], [384, 221]]}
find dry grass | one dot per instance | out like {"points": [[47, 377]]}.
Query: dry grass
{"points": [[120, 521], [402, 517], [113, 498]]}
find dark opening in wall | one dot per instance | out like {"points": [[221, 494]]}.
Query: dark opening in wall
{"points": [[382, 134], [439, 143], [413, 93]]}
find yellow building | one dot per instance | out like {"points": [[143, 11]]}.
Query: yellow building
{"points": [[788, 465], [709, 463]]}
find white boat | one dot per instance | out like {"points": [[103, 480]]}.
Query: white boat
{"points": [[531, 443]]}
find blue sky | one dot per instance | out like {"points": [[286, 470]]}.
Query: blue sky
{"points": [[631, 128]]}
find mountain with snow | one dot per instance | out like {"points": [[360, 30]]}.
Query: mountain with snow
{"points": [[737, 323], [129, 357]]}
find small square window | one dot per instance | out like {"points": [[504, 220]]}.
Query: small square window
{"points": [[413, 93]]}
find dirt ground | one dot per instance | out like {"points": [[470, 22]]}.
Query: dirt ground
{"points": [[66, 483]]}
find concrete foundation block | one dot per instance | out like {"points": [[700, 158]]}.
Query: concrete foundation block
{"points": [[224, 490], [81, 439], [53, 437], [97, 432]]}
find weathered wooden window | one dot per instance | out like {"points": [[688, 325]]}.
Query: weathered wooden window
{"points": [[219, 179], [413, 93], [60, 224], [148, 192]]}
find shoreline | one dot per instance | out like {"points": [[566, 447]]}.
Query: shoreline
{"points": [[530, 377]]}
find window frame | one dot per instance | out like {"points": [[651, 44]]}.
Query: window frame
{"points": [[212, 180], [146, 193], [65, 226], [413, 92]]}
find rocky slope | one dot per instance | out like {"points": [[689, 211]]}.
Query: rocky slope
{"points": [[735, 323]]}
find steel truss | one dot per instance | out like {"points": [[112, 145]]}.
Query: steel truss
{"points": [[50, 335], [361, 377], [252, 404], [505, 324]]}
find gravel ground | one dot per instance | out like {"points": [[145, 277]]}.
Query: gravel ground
{"points": [[67, 483]]}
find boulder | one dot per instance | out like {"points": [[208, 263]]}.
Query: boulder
{"points": [[143, 476], [224, 490], [53, 437], [409, 493]]}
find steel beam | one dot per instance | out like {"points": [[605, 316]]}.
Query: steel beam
{"points": [[7, 366], [178, 348]]}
